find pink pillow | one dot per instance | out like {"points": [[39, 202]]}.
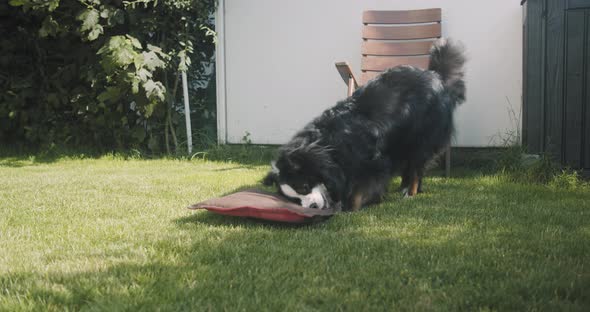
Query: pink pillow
{"points": [[262, 205]]}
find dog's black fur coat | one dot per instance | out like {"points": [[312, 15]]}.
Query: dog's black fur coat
{"points": [[396, 123]]}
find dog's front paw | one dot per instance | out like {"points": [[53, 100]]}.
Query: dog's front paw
{"points": [[406, 193]]}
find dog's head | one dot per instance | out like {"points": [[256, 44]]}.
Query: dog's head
{"points": [[307, 175]]}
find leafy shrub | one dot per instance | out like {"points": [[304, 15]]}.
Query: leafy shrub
{"points": [[103, 74], [566, 179], [517, 166]]}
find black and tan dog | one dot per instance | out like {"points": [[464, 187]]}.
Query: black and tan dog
{"points": [[396, 123]]}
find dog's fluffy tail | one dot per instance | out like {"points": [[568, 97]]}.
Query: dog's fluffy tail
{"points": [[447, 59]]}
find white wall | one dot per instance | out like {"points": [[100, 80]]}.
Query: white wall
{"points": [[279, 62]]}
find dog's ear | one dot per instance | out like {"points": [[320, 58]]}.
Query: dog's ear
{"points": [[272, 178], [308, 157]]}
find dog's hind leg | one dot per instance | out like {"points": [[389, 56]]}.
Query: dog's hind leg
{"points": [[369, 192], [354, 200], [357, 201], [412, 181], [409, 186]]}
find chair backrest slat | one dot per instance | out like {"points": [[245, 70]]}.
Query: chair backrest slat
{"points": [[401, 32], [383, 63], [368, 75], [392, 38], [396, 48], [402, 17]]}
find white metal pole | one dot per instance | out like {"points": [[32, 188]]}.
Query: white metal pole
{"points": [[187, 113], [220, 73]]}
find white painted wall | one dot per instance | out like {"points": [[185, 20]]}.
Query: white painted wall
{"points": [[279, 55]]}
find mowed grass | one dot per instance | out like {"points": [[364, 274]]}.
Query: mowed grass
{"points": [[109, 234]]}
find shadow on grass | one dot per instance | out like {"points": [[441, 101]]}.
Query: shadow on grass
{"points": [[14, 163], [213, 219], [442, 186], [246, 155]]}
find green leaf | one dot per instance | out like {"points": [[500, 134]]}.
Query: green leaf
{"points": [[90, 24], [89, 18], [183, 62], [154, 90], [209, 33], [96, 31], [104, 49], [111, 94], [49, 27], [124, 56], [149, 109], [138, 60], [159, 52], [152, 61], [16, 2], [52, 5], [134, 41], [116, 18], [144, 74], [105, 13], [109, 48], [135, 85], [154, 48]]}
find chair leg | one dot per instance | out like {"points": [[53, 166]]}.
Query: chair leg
{"points": [[448, 162], [350, 86]]}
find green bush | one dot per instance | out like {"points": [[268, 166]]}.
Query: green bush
{"points": [[517, 166], [567, 180], [103, 74]]}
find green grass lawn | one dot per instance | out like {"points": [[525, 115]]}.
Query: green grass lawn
{"points": [[113, 234]]}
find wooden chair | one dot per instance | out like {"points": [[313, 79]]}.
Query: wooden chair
{"points": [[392, 38]]}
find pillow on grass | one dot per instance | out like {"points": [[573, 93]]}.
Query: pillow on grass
{"points": [[263, 205]]}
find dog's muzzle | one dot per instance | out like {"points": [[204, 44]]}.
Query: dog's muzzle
{"points": [[317, 198]]}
